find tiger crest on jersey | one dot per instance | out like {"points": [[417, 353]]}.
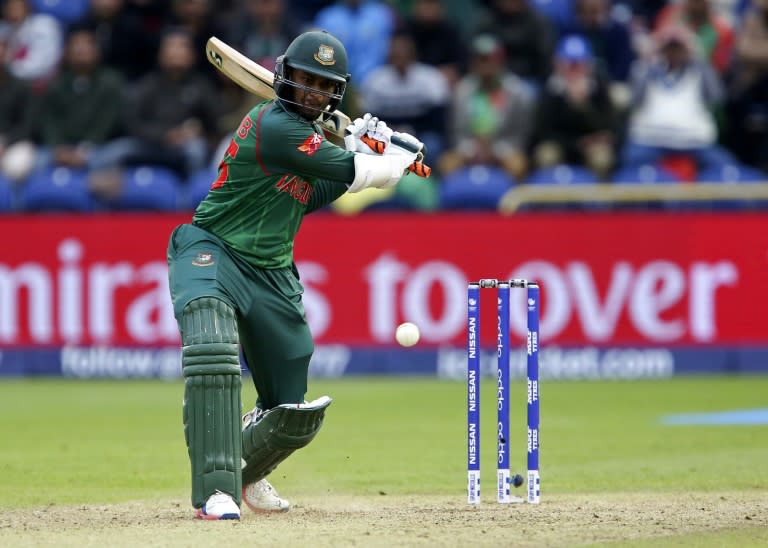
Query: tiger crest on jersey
{"points": [[311, 144]]}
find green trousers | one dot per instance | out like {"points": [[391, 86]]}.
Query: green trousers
{"points": [[272, 325]]}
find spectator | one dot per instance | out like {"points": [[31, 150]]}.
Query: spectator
{"points": [[713, 33], [558, 12], [16, 150], [609, 40], [575, 119], [748, 103], [365, 28], [751, 51], [673, 98], [528, 37], [410, 96], [172, 114], [306, 10], [82, 108], [233, 103], [490, 114], [35, 43], [437, 38], [644, 12], [125, 44], [729, 10], [198, 19], [263, 30]]}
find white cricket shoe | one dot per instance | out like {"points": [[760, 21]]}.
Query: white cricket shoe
{"points": [[219, 506], [260, 496]]}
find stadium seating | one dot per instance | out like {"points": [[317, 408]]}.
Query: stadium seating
{"points": [[66, 11], [646, 174], [57, 189], [197, 187], [6, 195], [736, 173], [562, 175], [474, 187], [148, 188], [560, 12]]}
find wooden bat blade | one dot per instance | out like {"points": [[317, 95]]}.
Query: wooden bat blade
{"points": [[239, 68]]}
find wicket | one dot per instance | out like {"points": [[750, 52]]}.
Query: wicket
{"points": [[503, 389]]}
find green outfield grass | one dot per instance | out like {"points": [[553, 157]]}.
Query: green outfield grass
{"points": [[93, 442]]}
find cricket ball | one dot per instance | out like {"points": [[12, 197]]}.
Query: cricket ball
{"points": [[407, 334]]}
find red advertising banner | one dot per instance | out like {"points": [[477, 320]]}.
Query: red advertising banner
{"points": [[619, 279]]}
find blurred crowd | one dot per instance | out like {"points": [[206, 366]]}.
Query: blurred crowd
{"points": [[111, 104]]}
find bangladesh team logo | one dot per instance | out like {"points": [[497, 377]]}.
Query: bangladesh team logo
{"points": [[204, 258], [324, 55]]}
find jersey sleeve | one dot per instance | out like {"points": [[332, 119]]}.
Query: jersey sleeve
{"points": [[285, 144], [325, 193]]}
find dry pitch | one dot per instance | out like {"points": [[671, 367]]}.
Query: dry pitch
{"points": [[712, 519]]}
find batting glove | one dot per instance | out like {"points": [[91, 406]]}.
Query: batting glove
{"points": [[355, 132], [367, 135]]}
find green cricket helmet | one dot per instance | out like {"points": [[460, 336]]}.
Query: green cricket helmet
{"points": [[318, 53]]}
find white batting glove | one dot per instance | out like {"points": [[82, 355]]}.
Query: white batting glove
{"points": [[385, 170], [379, 131], [355, 132], [401, 159], [367, 135]]}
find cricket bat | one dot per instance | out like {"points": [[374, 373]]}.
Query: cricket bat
{"points": [[258, 80]]}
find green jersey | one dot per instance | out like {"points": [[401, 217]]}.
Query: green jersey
{"points": [[278, 167]]}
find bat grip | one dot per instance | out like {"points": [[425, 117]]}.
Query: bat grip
{"points": [[418, 168], [408, 145]]}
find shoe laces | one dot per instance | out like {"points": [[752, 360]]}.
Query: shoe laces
{"points": [[219, 498], [263, 488]]}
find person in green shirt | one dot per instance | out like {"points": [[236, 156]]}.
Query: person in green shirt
{"points": [[234, 283]]}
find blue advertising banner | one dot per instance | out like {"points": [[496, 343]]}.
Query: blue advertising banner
{"points": [[567, 363]]}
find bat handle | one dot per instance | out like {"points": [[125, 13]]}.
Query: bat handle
{"points": [[408, 145], [417, 168]]}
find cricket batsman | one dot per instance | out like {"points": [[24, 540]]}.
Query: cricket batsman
{"points": [[234, 283]]}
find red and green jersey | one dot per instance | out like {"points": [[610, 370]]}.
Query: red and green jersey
{"points": [[278, 167]]}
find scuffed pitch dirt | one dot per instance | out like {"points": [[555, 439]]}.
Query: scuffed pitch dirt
{"points": [[332, 520]]}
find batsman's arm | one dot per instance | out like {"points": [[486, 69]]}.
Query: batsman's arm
{"points": [[325, 192], [285, 145]]}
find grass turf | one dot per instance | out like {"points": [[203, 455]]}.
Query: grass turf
{"points": [[78, 442]]}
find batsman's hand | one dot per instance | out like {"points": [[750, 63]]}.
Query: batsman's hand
{"points": [[410, 143], [401, 155], [378, 135], [367, 135], [385, 170]]}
